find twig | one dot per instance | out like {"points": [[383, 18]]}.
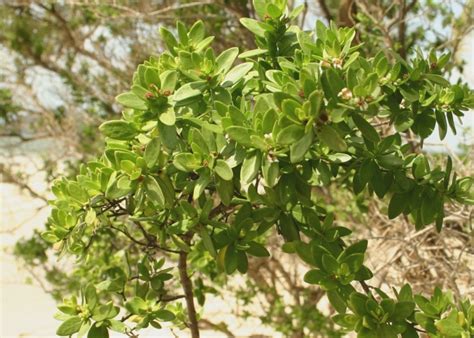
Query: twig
{"points": [[324, 8], [9, 177]]}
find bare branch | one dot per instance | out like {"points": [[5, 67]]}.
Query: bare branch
{"points": [[324, 8]]}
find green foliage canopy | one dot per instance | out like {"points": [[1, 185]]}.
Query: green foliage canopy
{"points": [[215, 151]]}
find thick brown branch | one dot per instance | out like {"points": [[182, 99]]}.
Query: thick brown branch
{"points": [[402, 27], [188, 294], [346, 13]]}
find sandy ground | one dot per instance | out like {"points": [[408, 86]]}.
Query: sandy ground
{"points": [[26, 311]]}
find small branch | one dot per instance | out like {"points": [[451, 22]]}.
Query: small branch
{"points": [[124, 318], [129, 236], [365, 287], [152, 240], [9, 177], [179, 7], [188, 294], [170, 298], [324, 8], [217, 327]]}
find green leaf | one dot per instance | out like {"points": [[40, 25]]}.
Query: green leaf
{"points": [[288, 228], [252, 53], [358, 247], [189, 90], [366, 128], [225, 60], [168, 38], [298, 150], [242, 261], [257, 250], [225, 189], [405, 293], [331, 138], [240, 135], [117, 187], [168, 117], [119, 130], [339, 157], [130, 100], [168, 80], [357, 303], [136, 305], [403, 310], [70, 310], [207, 241], [390, 161], [397, 205], [253, 26], [201, 183], [410, 332], [84, 329], [204, 44], [91, 297], [250, 166], [154, 191], [437, 79], [354, 261], [152, 151], [411, 95], [332, 83], [164, 315], [168, 135], [447, 174], [152, 76], [290, 134], [316, 99], [336, 301], [187, 162], [69, 327], [345, 320], [381, 182], [49, 237], [314, 276], [450, 326], [270, 172], [223, 170], [98, 332], [425, 305], [197, 32], [117, 326], [106, 311], [230, 259], [304, 252], [260, 8], [330, 264], [182, 32], [236, 73], [442, 124], [273, 11], [139, 91]]}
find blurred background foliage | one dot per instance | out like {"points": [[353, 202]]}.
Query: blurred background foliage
{"points": [[64, 62]]}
